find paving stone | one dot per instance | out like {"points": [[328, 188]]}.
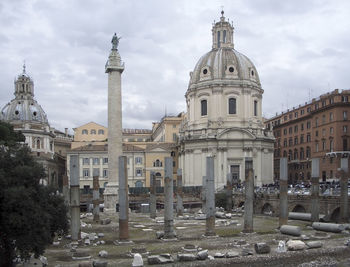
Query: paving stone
{"points": [[232, 254]]}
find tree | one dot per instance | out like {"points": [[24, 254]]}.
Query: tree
{"points": [[30, 213]]}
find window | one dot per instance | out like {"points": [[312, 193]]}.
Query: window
{"points": [[295, 140], [232, 106], [302, 126], [174, 163], [345, 128], [323, 145], [344, 98], [308, 125], [316, 133], [316, 122], [285, 131], [323, 103], [331, 130], [290, 130], [100, 131], [86, 161], [95, 172], [285, 142], [139, 184], [96, 161], [105, 173], [138, 160], [93, 131], [296, 114], [218, 39], [285, 118], [323, 118], [296, 128], [302, 112], [316, 106], [316, 147], [301, 139], [174, 126], [84, 131], [204, 108], [174, 137], [345, 115], [331, 116], [105, 160], [308, 152], [345, 144], [331, 145], [255, 108], [86, 172], [308, 138], [224, 36], [157, 163], [295, 154], [290, 141], [290, 116], [308, 109], [301, 153], [138, 172], [323, 132]]}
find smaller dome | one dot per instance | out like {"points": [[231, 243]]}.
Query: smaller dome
{"points": [[24, 107]]}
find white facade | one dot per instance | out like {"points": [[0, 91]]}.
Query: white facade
{"points": [[224, 116]]}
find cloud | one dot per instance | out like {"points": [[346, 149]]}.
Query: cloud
{"points": [[297, 46]]}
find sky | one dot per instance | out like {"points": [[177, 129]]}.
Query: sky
{"points": [[300, 49]]}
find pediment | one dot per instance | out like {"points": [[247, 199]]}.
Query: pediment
{"points": [[236, 133]]}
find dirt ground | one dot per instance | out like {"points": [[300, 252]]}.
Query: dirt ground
{"points": [[142, 231]]}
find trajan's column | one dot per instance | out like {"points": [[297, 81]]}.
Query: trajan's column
{"points": [[114, 68]]}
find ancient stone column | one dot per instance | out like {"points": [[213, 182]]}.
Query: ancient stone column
{"points": [[344, 202], [96, 199], [315, 189], [204, 194], [249, 197], [210, 198], [229, 187], [168, 199], [283, 216], [65, 192], [179, 194], [114, 68], [74, 197], [123, 200], [153, 196]]}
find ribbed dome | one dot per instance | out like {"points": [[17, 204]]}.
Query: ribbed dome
{"points": [[225, 65], [24, 107]]}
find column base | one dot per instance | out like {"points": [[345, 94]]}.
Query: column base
{"points": [[110, 196]]}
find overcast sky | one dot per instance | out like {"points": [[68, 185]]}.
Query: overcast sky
{"points": [[300, 49]]}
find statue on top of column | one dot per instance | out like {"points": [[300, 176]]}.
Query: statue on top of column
{"points": [[115, 42]]}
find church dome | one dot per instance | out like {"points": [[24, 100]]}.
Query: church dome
{"points": [[224, 65], [23, 107]]}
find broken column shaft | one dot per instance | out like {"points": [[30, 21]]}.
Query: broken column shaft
{"points": [[168, 201], [210, 198], [249, 198], [179, 194], [74, 197], [123, 200], [315, 190], [283, 216], [153, 197], [65, 192], [344, 202], [204, 194], [96, 199]]}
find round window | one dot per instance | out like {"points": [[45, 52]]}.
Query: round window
{"points": [[34, 113], [205, 71], [16, 112], [252, 73], [231, 69]]}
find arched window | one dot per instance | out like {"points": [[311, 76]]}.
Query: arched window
{"points": [[301, 153], [204, 111], [308, 152], [285, 153], [232, 106], [84, 131], [224, 36], [38, 143], [157, 163], [139, 184], [218, 39], [100, 131], [92, 131], [295, 154]]}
